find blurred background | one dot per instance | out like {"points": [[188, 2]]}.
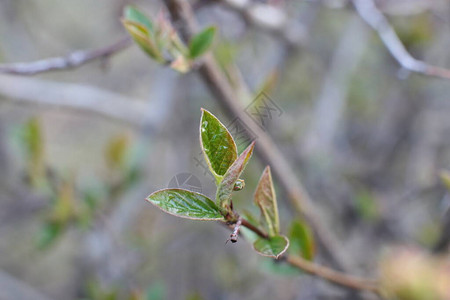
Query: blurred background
{"points": [[81, 148]]}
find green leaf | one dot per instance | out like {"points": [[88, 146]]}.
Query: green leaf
{"points": [[266, 199], [65, 206], [226, 186], [274, 246], [116, 151], [48, 235], [133, 14], [301, 240], [156, 291], [201, 42], [280, 268], [365, 204], [185, 204], [141, 36], [445, 178], [217, 144], [33, 143]]}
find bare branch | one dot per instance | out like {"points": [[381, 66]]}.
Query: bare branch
{"points": [[73, 60], [331, 102], [74, 96], [375, 18], [333, 276], [270, 18], [325, 273]]}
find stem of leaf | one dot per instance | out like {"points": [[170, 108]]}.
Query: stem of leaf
{"points": [[253, 228]]}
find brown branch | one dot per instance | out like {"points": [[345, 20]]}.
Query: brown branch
{"points": [[328, 274], [73, 60], [332, 276], [253, 228], [266, 149], [375, 18]]}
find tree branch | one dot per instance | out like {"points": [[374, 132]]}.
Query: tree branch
{"points": [[269, 18], [375, 18], [332, 276], [325, 273], [266, 149], [77, 97], [73, 60]]}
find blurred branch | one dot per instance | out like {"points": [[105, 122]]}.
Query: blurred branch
{"points": [[331, 102], [76, 97], [266, 149], [375, 18], [311, 268], [270, 18], [12, 289], [332, 276], [73, 60]]}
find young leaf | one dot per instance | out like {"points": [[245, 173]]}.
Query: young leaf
{"points": [[33, 143], [201, 42], [266, 199], [141, 36], [49, 233], [226, 186], [65, 206], [185, 204], [218, 145], [445, 178], [274, 246], [302, 240], [133, 14], [116, 152]]}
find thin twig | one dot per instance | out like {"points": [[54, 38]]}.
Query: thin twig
{"points": [[266, 149], [328, 274], [234, 235], [375, 18], [332, 276], [45, 93], [253, 228], [269, 18], [73, 60]]}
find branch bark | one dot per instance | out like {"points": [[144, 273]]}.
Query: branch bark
{"points": [[375, 18], [333, 276], [271, 19], [45, 93], [325, 273], [73, 60]]}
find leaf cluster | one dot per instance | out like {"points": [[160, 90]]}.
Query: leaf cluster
{"points": [[161, 42], [226, 165]]}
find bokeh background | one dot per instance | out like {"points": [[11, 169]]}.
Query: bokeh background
{"points": [[368, 139]]}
